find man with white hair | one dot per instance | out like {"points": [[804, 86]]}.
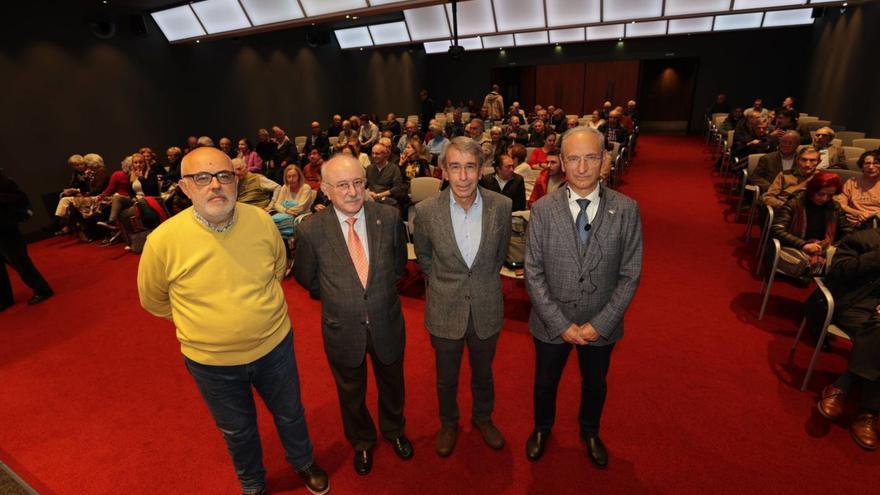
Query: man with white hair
{"points": [[830, 154], [384, 182], [230, 315], [254, 189], [351, 256]]}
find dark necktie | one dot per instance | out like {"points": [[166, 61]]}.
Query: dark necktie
{"points": [[582, 221]]}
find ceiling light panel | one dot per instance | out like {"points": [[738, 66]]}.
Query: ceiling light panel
{"points": [[534, 38], [321, 7], [388, 34], [474, 17], [513, 15], [684, 7], [471, 44], [761, 4], [618, 10], [219, 16], [271, 11], [639, 29], [385, 2], [498, 41], [738, 21], [605, 32], [794, 17], [427, 23], [358, 37], [437, 46], [567, 35], [571, 12], [690, 25], [178, 23]]}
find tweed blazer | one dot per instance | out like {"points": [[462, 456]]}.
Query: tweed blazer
{"points": [[566, 287], [454, 290], [769, 166], [324, 267]]}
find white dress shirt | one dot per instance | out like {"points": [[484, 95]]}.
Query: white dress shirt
{"points": [[575, 208], [360, 226]]}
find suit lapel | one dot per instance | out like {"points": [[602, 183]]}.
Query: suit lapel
{"points": [[446, 223], [374, 238], [606, 209], [562, 217]]}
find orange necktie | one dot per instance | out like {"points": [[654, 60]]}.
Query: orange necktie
{"points": [[356, 250]]}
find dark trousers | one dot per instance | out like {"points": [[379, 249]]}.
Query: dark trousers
{"points": [[13, 252], [550, 360], [227, 392], [448, 354], [351, 386], [862, 323]]}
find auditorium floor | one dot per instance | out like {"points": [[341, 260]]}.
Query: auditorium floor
{"points": [[703, 398]]}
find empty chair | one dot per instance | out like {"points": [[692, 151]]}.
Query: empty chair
{"points": [[300, 142], [852, 152], [803, 119], [869, 144], [420, 189], [744, 184], [412, 118], [844, 174], [848, 136], [583, 121]]}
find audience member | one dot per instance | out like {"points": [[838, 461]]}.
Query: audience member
{"points": [[808, 226], [757, 108], [753, 139], [719, 106], [265, 147], [345, 135], [613, 130], [335, 126], [250, 157], [860, 195], [497, 143], [172, 170], [412, 162], [411, 131], [771, 164], [427, 109], [384, 183], [789, 182], [285, 152], [312, 171], [853, 281], [391, 124], [633, 113], [254, 189], [192, 143], [437, 142], [515, 132], [732, 122], [369, 133], [831, 155], [292, 200], [506, 182], [538, 133], [226, 146], [316, 140], [596, 121], [550, 179], [539, 155], [76, 186], [205, 142], [456, 127]]}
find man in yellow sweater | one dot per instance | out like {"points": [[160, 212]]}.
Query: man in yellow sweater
{"points": [[215, 271]]}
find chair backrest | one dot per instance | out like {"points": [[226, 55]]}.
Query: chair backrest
{"points": [[465, 116], [570, 116], [852, 151], [449, 116], [845, 175], [852, 163], [299, 141], [583, 121], [333, 140], [718, 119], [412, 118], [836, 142], [848, 136], [439, 115], [729, 142], [802, 115], [401, 120], [421, 188], [753, 161], [529, 151], [803, 119], [869, 144]]}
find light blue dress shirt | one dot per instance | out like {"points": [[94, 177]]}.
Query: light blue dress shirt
{"points": [[467, 226]]}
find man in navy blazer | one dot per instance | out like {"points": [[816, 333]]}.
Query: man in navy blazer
{"points": [[582, 268]]}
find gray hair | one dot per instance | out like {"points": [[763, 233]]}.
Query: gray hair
{"points": [[495, 128], [807, 149], [828, 131], [75, 160], [582, 129], [125, 164], [206, 141], [465, 145], [478, 122], [93, 160]]}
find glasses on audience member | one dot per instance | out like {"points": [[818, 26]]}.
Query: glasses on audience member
{"points": [[205, 178], [574, 160], [342, 187], [823, 135], [458, 167]]}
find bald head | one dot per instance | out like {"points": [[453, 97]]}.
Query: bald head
{"points": [[202, 158], [341, 165]]}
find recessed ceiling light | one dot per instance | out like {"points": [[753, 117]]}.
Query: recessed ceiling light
{"points": [[198, 41], [348, 17], [354, 17]]}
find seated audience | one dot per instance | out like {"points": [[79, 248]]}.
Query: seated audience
{"points": [[474, 130], [292, 200], [596, 121], [391, 124], [550, 179], [831, 155], [860, 196], [516, 133], [852, 279], [538, 133], [412, 162], [557, 120], [506, 182], [757, 109], [192, 143], [316, 140], [225, 145], [539, 155], [312, 171], [449, 107], [720, 105], [751, 139], [789, 182], [285, 153], [411, 130], [528, 172], [808, 226], [172, 170], [149, 157], [250, 156], [456, 127], [437, 142], [384, 183], [632, 113], [614, 131], [254, 189], [361, 156], [345, 135], [771, 164], [76, 186], [787, 120], [732, 122], [369, 132], [607, 108], [335, 126], [265, 147]]}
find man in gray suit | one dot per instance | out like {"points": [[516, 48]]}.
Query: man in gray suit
{"points": [[771, 164], [583, 262], [461, 238], [352, 256]]}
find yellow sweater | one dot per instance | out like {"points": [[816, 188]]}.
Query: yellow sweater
{"points": [[222, 290]]}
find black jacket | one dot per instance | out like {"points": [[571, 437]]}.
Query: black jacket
{"points": [[515, 189], [855, 270]]}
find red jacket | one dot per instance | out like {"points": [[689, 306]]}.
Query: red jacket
{"points": [[540, 189]]}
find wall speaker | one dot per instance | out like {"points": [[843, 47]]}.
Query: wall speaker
{"points": [[818, 12], [137, 24], [317, 38], [103, 29]]}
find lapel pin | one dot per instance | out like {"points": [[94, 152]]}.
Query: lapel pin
{"points": [[378, 222], [611, 212]]}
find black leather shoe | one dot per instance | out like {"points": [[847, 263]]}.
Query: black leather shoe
{"points": [[402, 447], [363, 462], [596, 451], [315, 479], [38, 298], [535, 445]]}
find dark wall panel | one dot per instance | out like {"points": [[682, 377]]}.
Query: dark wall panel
{"points": [[667, 92], [615, 81], [562, 84]]}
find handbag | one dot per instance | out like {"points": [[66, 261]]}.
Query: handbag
{"points": [[516, 250]]}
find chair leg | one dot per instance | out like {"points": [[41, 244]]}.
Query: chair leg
{"points": [[813, 362], [770, 278], [750, 223], [762, 248], [739, 204], [797, 338]]}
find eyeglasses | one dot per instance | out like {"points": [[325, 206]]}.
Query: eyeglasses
{"points": [[823, 135], [204, 178], [342, 187], [574, 160], [458, 167]]}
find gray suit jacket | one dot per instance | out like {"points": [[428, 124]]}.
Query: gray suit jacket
{"points": [[567, 288], [768, 168], [324, 267], [454, 290]]}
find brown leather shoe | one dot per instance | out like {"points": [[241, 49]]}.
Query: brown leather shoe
{"points": [[864, 430], [490, 433], [315, 479], [446, 440], [830, 406]]}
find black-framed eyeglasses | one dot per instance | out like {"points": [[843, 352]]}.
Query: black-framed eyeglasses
{"points": [[205, 178]]}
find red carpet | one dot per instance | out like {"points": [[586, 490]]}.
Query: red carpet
{"points": [[94, 397]]}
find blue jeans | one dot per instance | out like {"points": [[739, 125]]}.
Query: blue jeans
{"points": [[227, 392]]}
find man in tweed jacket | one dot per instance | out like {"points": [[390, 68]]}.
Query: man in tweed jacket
{"points": [[583, 262]]}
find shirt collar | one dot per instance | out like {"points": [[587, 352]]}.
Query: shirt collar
{"points": [[217, 228], [593, 196], [477, 200], [342, 217]]}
